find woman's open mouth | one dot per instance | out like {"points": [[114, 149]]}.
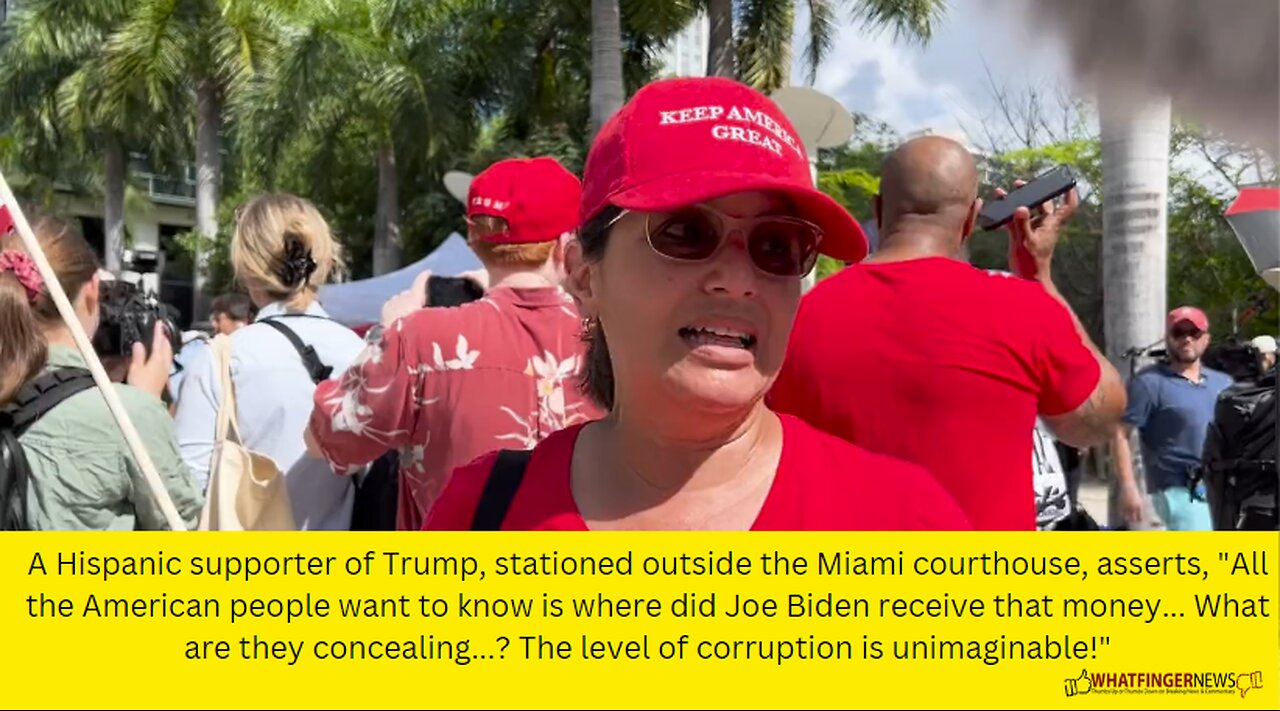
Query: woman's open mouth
{"points": [[717, 336]]}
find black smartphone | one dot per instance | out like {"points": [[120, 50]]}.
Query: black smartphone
{"points": [[452, 291], [1046, 187]]}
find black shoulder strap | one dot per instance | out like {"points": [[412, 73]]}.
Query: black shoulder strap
{"points": [[500, 489], [41, 395], [318, 371], [14, 473]]}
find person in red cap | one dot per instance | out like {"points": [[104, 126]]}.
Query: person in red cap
{"points": [[1171, 405], [446, 385], [917, 354], [699, 220]]}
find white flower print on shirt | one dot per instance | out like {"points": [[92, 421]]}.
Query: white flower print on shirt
{"points": [[550, 413], [465, 360]]}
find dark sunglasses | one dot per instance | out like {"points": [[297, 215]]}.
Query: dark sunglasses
{"points": [[778, 245], [1186, 333]]}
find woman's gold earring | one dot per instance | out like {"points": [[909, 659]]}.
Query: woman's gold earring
{"points": [[588, 325]]}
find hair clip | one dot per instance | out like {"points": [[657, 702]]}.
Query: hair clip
{"points": [[23, 267], [298, 264]]}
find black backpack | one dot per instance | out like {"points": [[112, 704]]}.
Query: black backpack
{"points": [[33, 401], [1239, 463]]}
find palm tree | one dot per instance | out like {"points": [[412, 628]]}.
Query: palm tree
{"points": [[50, 81], [547, 98], [55, 95], [720, 49], [760, 46], [625, 37], [193, 57], [607, 89], [385, 74], [1135, 168]]}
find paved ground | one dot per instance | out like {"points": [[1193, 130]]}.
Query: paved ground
{"points": [[1093, 494]]}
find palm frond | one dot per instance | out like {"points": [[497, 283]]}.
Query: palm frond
{"points": [[764, 43], [822, 30], [151, 50], [243, 42], [658, 19], [912, 20]]}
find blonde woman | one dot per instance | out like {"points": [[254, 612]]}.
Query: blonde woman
{"points": [[282, 252]]}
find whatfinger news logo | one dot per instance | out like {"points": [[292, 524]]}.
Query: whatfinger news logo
{"points": [[1163, 683]]}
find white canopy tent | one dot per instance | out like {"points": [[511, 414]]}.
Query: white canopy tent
{"points": [[359, 303]]}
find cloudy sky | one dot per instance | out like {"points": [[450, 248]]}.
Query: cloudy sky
{"points": [[944, 86]]}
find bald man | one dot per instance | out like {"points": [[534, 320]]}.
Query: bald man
{"points": [[917, 354]]}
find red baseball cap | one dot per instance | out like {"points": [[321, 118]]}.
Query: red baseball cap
{"points": [[1187, 313], [688, 140], [538, 197]]}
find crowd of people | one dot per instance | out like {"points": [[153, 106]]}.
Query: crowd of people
{"points": [[642, 357]]}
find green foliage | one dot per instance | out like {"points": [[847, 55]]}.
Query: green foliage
{"points": [[1209, 268], [856, 179], [57, 107], [764, 43], [216, 250], [1083, 155], [850, 186], [827, 266], [913, 20], [763, 32]]}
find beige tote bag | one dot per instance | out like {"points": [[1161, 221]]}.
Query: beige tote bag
{"points": [[246, 490]]}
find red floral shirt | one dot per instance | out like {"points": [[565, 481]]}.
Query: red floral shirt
{"points": [[447, 385]]}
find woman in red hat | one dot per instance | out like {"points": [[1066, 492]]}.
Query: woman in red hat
{"points": [[699, 220]]}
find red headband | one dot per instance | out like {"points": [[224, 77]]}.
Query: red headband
{"points": [[22, 266]]}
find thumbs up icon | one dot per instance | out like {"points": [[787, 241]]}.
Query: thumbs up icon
{"points": [[1083, 685]]}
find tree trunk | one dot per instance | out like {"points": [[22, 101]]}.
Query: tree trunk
{"points": [[1135, 169], [608, 91], [386, 231], [721, 51], [208, 184], [113, 211]]}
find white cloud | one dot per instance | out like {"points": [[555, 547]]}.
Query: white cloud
{"points": [[905, 99], [941, 87]]}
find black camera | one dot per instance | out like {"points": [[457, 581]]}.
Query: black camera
{"points": [[129, 315]]}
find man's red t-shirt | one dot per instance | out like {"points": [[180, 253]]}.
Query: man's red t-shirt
{"points": [[823, 484], [939, 363]]}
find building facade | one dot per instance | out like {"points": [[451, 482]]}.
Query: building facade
{"points": [[162, 208], [686, 55]]}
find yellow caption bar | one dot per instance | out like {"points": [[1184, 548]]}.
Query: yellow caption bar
{"points": [[364, 620]]}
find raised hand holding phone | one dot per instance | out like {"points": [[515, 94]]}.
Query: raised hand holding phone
{"points": [[1032, 239]]}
